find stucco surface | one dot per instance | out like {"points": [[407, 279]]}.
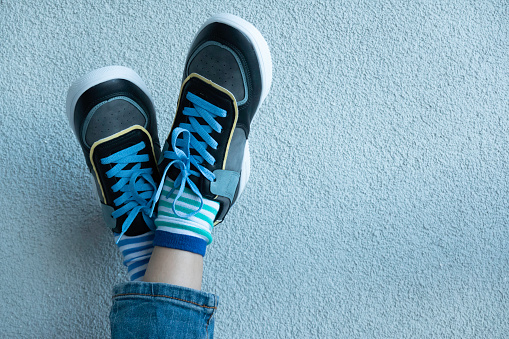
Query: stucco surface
{"points": [[378, 201]]}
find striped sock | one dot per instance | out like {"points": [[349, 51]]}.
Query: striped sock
{"points": [[136, 251], [191, 234]]}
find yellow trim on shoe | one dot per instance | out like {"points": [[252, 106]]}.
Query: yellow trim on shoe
{"points": [[222, 89], [111, 137]]}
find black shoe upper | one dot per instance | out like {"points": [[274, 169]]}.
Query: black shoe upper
{"points": [[116, 107], [223, 55]]}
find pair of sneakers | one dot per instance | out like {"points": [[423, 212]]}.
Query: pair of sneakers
{"points": [[173, 197]]}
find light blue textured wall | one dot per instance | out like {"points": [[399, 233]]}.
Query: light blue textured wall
{"points": [[378, 204]]}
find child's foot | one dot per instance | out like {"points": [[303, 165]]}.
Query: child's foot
{"points": [[113, 118], [205, 162]]}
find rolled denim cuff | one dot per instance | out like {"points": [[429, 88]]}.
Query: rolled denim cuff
{"points": [[161, 310], [140, 289]]}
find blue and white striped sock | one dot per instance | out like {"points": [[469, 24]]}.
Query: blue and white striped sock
{"points": [[191, 234], [136, 251]]}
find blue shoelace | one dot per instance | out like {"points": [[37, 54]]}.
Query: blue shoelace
{"points": [[136, 185], [181, 155]]}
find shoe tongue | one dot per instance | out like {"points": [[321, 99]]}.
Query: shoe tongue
{"points": [[219, 97], [138, 226]]}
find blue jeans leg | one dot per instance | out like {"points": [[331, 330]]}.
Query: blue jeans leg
{"points": [[156, 310]]}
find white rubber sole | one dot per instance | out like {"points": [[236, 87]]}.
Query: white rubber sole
{"points": [[246, 170], [96, 77], [260, 45]]}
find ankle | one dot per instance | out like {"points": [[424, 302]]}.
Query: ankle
{"points": [[176, 267]]}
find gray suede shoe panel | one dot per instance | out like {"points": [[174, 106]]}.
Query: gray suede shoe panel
{"points": [[112, 117], [218, 64], [236, 151]]}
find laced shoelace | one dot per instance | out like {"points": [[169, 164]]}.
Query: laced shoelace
{"points": [[181, 155], [136, 185]]}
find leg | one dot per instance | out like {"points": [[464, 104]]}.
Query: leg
{"points": [[210, 133], [113, 118], [176, 267]]}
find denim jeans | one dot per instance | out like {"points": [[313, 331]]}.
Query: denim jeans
{"points": [[156, 310]]}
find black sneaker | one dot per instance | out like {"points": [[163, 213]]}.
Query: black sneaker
{"points": [[113, 118], [227, 76]]}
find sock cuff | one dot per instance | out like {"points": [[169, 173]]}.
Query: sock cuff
{"points": [[187, 233], [180, 242]]}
